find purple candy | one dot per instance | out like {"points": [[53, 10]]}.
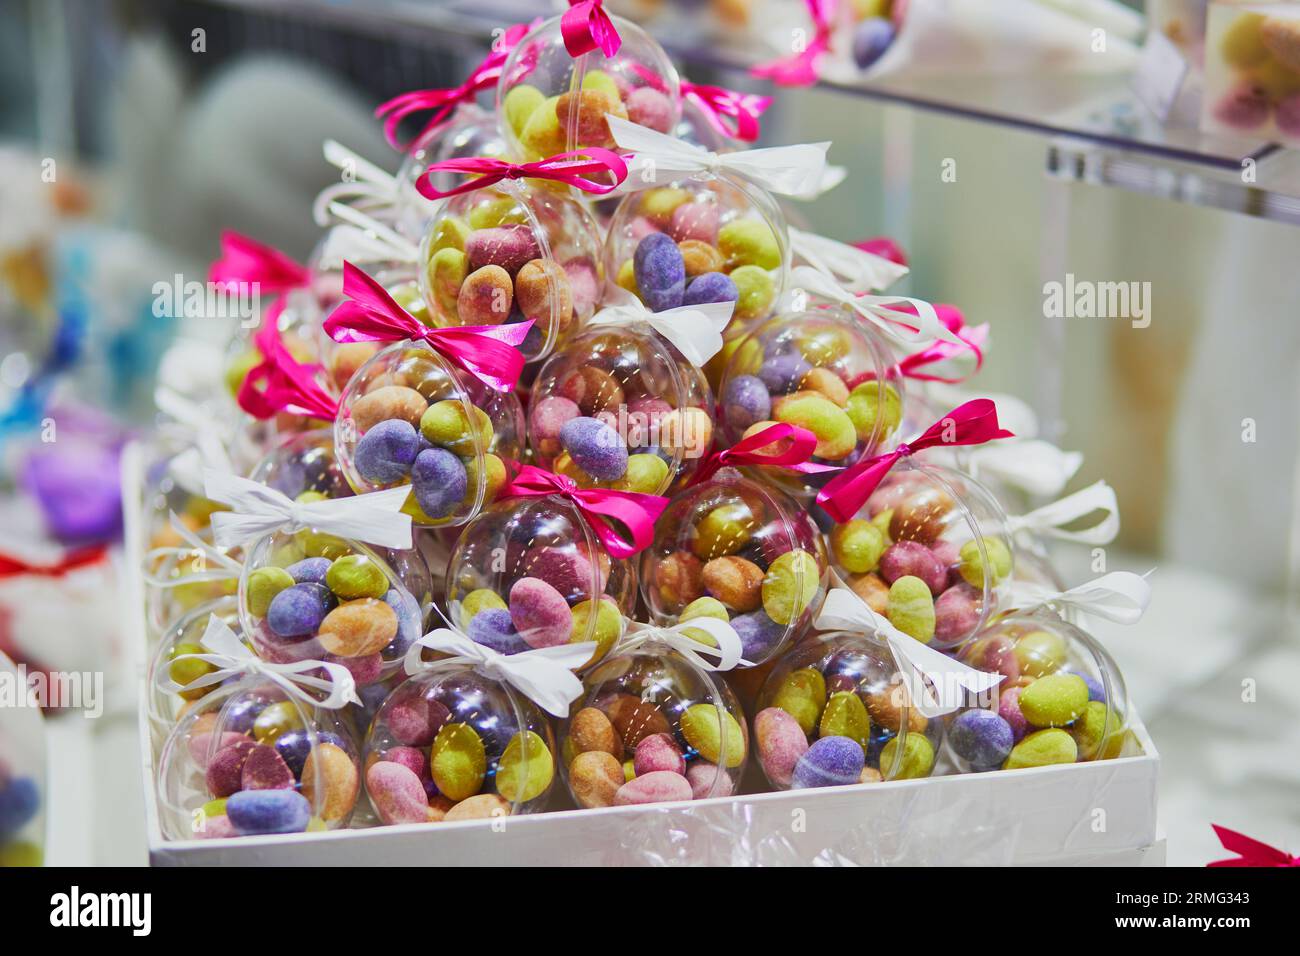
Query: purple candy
{"points": [[268, 811], [710, 287], [829, 762], [981, 738], [759, 634], [439, 481], [386, 453], [299, 610], [309, 570], [745, 401], [871, 39], [595, 448], [1096, 692], [410, 622], [784, 373], [493, 628], [660, 272]]}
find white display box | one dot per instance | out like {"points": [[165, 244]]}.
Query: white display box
{"points": [[1097, 813]]}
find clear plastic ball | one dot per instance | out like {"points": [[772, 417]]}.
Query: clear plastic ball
{"points": [[704, 239], [451, 744], [549, 102], [930, 551], [409, 417], [184, 636], [820, 370], [508, 253], [620, 408], [1062, 698], [737, 550], [653, 727], [529, 572], [469, 132], [835, 712], [249, 759]]}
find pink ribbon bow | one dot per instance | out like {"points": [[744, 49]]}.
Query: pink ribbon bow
{"points": [[884, 247], [586, 26], [572, 169], [974, 338], [800, 69], [245, 261], [746, 452], [971, 423], [11, 566], [283, 384], [443, 102], [1250, 852], [729, 112], [488, 352], [635, 511]]}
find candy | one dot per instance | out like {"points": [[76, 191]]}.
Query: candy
{"points": [[542, 289], [356, 576], [755, 291], [635, 719], [299, 610], [507, 247], [917, 759], [1040, 653], [973, 565], [1054, 700], [660, 272], [646, 474], [608, 626], [459, 428], [886, 708], [1042, 748], [224, 774], [829, 762], [338, 778], [486, 297], [1009, 710], [1242, 43], [526, 768], [306, 571], [874, 591], [759, 635], [268, 811], [695, 221], [495, 628], [448, 270], [735, 582], [397, 793], [458, 761], [1244, 107], [540, 613], [745, 401], [662, 786], [956, 612], [911, 608], [792, 582], [438, 481], [836, 436], [781, 742], [803, 695], [592, 389], [658, 752], [263, 585], [276, 719], [724, 530], [595, 778], [415, 721], [858, 546], [595, 448], [749, 242], [483, 806], [871, 38], [679, 578], [650, 108], [357, 628], [715, 734], [591, 731], [546, 420], [264, 769], [981, 738], [483, 599], [700, 257], [708, 780], [863, 407], [846, 716], [911, 558]]}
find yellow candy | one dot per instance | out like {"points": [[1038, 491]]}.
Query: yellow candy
{"points": [[802, 696], [457, 761], [791, 583], [846, 716], [477, 601], [836, 436], [718, 743], [526, 768], [276, 719], [520, 104], [724, 530], [917, 760]]}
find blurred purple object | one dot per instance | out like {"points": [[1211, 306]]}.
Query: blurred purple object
{"points": [[75, 478]]}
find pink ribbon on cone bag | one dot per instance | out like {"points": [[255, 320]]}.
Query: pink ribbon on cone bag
{"points": [[444, 102], [800, 69], [971, 423], [488, 352], [586, 26], [635, 511], [729, 112], [283, 384], [746, 452], [1250, 852], [953, 320], [571, 169], [246, 261]]}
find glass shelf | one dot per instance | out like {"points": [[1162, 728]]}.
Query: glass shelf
{"points": [[1098, 132]]}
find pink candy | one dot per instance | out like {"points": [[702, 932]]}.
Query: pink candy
{"points": [[506, 246], [539, 613], [548, 417], [265, 769], [707, 780], [225, 773], [649, 108], [781, 742], [658, 752], [904, 558], [397, 794], [416, 721], [1009, 710], [695, 220], [411, 758], [660, 786]]}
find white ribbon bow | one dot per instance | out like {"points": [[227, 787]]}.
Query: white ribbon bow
{"points": [[1048, 519], [875, 309], [937, 683], [726, 655], [696, 330], [856, 270], [544, 674], [367, 182], [1033, 465], [232, 659], [1120, 596], [375, 518], [362, 238], [658, 159], [218, 566], [206, 432]]}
